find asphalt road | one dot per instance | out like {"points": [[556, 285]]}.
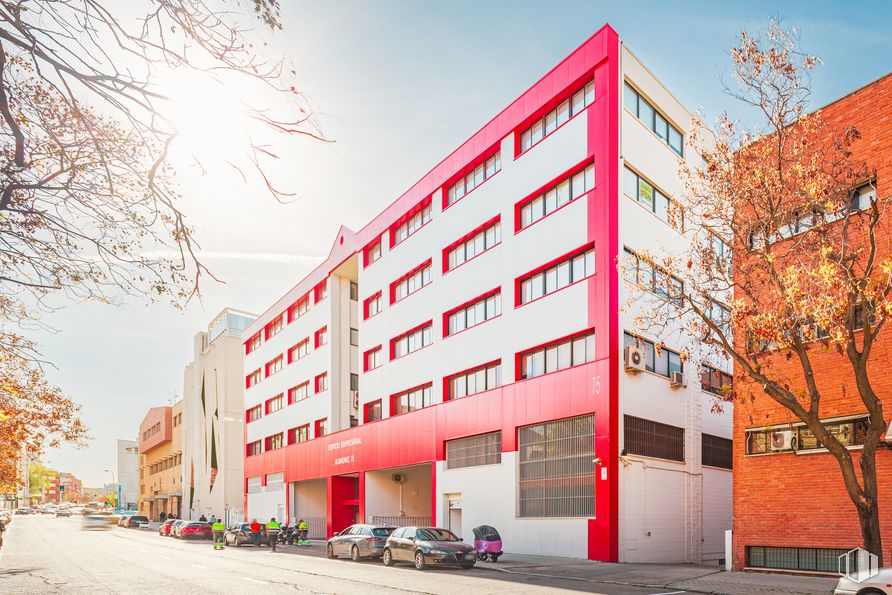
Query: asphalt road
{"points": [[43, 554]]}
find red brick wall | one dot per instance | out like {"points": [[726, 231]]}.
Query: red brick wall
{"points": [[799, 500]]}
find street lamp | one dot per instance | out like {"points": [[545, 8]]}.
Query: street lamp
{"points": [[114, 483]]}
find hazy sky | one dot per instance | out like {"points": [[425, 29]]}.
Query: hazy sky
{"points": [[399, 85]]}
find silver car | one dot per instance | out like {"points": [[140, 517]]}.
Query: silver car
{"points": [[879, 584], [359, 541]]}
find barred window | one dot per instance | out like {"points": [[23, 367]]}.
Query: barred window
{"points": [[716, 451], [851, 432], [653, 439], [794, 558], [275, 482], [473, 451], [557, 469], [255, 484]]}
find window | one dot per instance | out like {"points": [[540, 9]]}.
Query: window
{"points": [[321, 337], [663, 363], [411, 400], [653, 278], [299, 392], [417, 218], [720, 316], [554, 119], [794, 558], [653, 199], [562, 193], [255, 484], [320, 291], [354, 337], [653, 119], [410, 283], [716, 451], [299, 434], [373, 358], [474, 381], [720, 250], [372, 252], [274, 442], [570, 270], [354, 382], [298, 351], [653, 439], [275, 482], [253, 343], [354, 291], [715, 381], [411, 341], [573, 351], [475, 245], [474, 451], [252, 379], [861, 198], [274, 366], [321, 427], [474, 178], [373, 411], [557, 469], [371, 306], [273, 327], [299, 308], [483, 309], [851, 432], [322, 382], [274, 404]]}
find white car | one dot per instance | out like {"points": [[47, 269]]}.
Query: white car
{"points": [[878, 585]]}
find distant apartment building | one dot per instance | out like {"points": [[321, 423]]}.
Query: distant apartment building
{"points": [[160, 462], [63, 487], [214, 420], [127, 489], [462, 359]]}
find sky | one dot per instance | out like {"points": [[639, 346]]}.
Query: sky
{"points": [[397, 85]]}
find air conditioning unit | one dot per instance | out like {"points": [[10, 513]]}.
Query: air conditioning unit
{"points": [[633, 359], [355, 399], [398, 478], [676, 379], [783, 440]]}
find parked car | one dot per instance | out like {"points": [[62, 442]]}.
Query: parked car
{"points": [[196, 530], [359, 541], [63, 512], [240, 534], [134, 522], [97, 521], [428, 545], [25, 511], [165, 527], [875, 585], [177, 526]]}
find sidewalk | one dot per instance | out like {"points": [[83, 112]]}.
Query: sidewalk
{"points": [[673, 577]]}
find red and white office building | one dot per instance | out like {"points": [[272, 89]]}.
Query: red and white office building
{"points": [[461, 359]]}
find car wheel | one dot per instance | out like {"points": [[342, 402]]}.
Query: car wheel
{"points": [[419, 561], [387, 557], [481, 556], [468, 566], [329, 551], [870, 592], [354, 554]]}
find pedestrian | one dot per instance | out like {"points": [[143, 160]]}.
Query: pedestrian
{"points": [[302, 530], [272, 532], [213, 519], [203, 519], [163, 517], [218, 529], [255, 532]]}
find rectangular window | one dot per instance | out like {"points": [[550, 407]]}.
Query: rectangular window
{"points": [[320, 291], [653, 199], [299, 392], [299, 434], [253, 448], [411, 400], [557, 469], [794, 558], [299, 308], [274, 442], [720, 316], [654, 120], [474, 381], [372, 252], [412, 341], [298, 351], [565, 191], [274, 404], [273, 327], [653, 439], [275, 482], [322, 382], [572, 351], [662, 363], [354, 382], [253, 344], [373, 411], [474, 178], [543, 281], [417, 218], [274, 366], [410, 283], [482, 309], [254, 413], [715, 381], [252, 379], [473, 246], [321, 427], [796, 437], [553, 120], [374, 358], [321, 337], [474, 451], [354, 337], [371, 306], [716, 451], [653, 278]]}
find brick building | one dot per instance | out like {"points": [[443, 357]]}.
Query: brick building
{"points": [[791, 509]]}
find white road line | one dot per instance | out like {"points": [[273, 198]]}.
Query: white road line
{"points": [[253, 580], [165, 557], [671, 593], [199, 566]]}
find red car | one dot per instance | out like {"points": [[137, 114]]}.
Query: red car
{"points": [[196, 531], [164, 529]]}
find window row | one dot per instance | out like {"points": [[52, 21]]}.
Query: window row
{"points": [[168, 463], [796, 437], [417, 398], [474, 246], [474, 381], [662, 360], [654, 278], [653, 119], [550, 122], [562, 193], [410, 283], [639, 189], [556, 356], [484, 309], [480, 174], [411, 225], [412, 341], [572, 269]]}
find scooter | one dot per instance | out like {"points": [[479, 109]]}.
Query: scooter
{"points": [[488, 543]]}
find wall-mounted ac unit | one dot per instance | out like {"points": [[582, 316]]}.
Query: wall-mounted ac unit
{"points": [[633, 359], [676, 379], [783, 440], [354, 400], [398, 478]]}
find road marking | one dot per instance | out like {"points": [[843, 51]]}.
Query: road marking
{"points": [[200, 566], [254, 580], [671, 593], [165, 557]]}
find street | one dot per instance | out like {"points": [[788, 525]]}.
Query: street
{"points": [[44, 554]]}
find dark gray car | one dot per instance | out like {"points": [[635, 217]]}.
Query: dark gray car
{"points": [[428, 545], [359, 541]]}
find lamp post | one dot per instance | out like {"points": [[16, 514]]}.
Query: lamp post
{"points": [[115, 483]]}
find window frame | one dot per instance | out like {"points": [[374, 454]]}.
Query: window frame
{"points": [[368, 407], [428, 264], [365, 358], [320, 380], [423, 206], [472, 235], [374, 298], [494, 152], [421, 387], [555, 264], [405, 335], [495, 364], [656, 112], [554, 106], [320, 291], [679, 226], [320, 337], [294, 351], [369, 250], [571, 339], [473, 302], [553, 185], [293, 391]]}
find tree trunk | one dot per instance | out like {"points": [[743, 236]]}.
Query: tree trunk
{"points": [[870, 530]]}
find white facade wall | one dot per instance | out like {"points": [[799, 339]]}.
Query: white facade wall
{"points": [[128, 473]]}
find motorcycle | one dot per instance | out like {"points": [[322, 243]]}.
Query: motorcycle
{"points": [[488, 543]]}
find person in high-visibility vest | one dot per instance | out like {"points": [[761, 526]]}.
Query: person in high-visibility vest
{"points": [[302, 530], [272, 531], [218, 528]]}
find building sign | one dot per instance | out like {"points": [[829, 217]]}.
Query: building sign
{"points": [[344, 459]]}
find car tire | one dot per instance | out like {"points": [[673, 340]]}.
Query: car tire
{"points": [[468, 566], [329, 552], [419, 561], [870, 591], [354, 554], [387, 557]]}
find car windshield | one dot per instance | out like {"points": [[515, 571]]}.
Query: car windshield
{"points": [[198, 524], [381, 532], [431, 534], [138, 518]]}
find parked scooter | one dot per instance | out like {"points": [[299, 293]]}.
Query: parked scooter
{"points": [[290, 536], [488, 543]]}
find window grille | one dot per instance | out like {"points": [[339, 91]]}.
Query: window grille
{"points": [[473, 451], [716, 451], [653, 439]]}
